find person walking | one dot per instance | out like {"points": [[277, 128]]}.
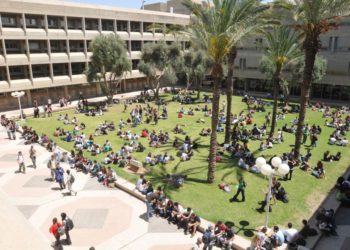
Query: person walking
{"points": [[69, 182], [8, 130], [32, 155], [54, 230], [51, 164], [241, 189], [59, 175], [20, 161], [13, 129], [68, 225]]}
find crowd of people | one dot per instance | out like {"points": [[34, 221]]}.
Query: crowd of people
{"points": [[245, 129]]}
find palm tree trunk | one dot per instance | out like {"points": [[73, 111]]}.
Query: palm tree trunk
{"points": [[287, 96], [199, 85], [214, 124], [229, 92], [311, 46], [275, 105]]}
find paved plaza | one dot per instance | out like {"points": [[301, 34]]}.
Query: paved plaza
{"points": [[106, 218]]}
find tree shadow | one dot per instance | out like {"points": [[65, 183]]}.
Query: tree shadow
{"points": [[161, 175], [243, 226]]}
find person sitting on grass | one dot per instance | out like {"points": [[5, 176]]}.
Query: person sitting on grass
{"points": [[327, 156], [178, 129], [318, 171], [262, 146], [150, 160], [205, 132], [337, 157]]}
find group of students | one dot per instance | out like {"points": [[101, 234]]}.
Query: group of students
{"points": [[157, 203], [58, 229]]}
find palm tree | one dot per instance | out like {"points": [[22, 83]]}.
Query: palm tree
{"points": [[313, 17], [282, 48], [217, 28], [229, 91]]}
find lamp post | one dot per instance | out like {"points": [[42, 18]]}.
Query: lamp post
{"points": [[19, 94], [277, 169]]}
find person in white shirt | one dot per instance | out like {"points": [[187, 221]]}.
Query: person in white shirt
{"points": [[20, 161], [140, 184], [69, 182], [290, 233]]}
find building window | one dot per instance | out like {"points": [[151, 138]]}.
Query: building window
{"points": [[258, 43], [135, 45], [135, 27], [78, 68], [122, 26], [333, 44], [135, 64], [242, 64], [107, 25], [41, 70], [8, 21]]}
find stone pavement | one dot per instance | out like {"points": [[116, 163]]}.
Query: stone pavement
{"points": [[342, 241], [103, 217], [56, 106]]}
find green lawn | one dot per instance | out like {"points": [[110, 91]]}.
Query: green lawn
{"points": [[305, 192]]}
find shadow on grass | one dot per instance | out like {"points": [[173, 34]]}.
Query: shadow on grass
{"points": [[160, 176]]}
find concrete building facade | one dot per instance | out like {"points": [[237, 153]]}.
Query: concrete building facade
{"points": [[335, 85], [44, 46]]}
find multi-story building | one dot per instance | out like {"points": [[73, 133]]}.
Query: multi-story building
{"points": [[44, 46], [173, 6], [335, 85]]}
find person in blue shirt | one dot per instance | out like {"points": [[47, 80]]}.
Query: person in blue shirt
{"points": [[59, 176], [277, 237]]}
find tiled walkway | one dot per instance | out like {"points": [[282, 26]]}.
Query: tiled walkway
{"points": [[103, 217]]}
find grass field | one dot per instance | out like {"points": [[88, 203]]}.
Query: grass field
{"points": [[305, 192]]}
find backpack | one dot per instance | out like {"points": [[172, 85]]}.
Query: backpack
{"points": [[69, 224], [71, 179], [207, 237]]}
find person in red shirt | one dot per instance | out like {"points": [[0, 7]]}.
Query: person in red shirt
{"points": [[54, 230], [219, 228]]}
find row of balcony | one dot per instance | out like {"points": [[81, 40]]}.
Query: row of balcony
{"points": [[14, 20], [58, 46], [46, 70]]}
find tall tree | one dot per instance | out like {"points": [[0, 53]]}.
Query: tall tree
{"points": [[194, 65], [217, 28], [109, 63], [231, 57], [296, 76], [313, 17], [282, 48], [159, 62]]}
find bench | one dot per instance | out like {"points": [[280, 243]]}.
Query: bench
{"points": [[135, 166]]}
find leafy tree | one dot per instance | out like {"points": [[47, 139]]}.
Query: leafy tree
{"points": [[282, 48], [195, 64], [297, 69], [159, 62], [109, 63], [216, 28], [313, 17]]}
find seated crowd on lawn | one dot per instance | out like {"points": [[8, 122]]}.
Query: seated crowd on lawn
{"points": [[238, 149]]}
